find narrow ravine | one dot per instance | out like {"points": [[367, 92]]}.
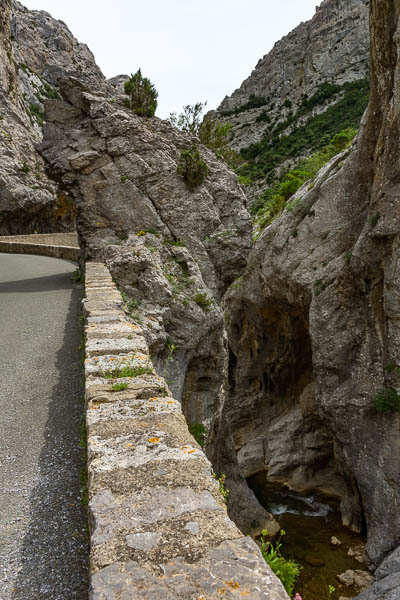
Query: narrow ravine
{"points": [[43, 537], [331, 556]]}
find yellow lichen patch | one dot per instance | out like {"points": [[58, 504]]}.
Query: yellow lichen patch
{"points": [[129, 445], [245, 593], [233, 584], [191, 451], [154, 440], [154, 399]]}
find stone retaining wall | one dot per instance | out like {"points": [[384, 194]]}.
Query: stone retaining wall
{"points": [[158, 523], [57, 245]]}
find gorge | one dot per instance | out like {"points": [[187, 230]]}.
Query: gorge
{"points": [[279, 348]]}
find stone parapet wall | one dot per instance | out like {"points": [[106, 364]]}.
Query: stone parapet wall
{"points": [[56, 245], [158, 523]]}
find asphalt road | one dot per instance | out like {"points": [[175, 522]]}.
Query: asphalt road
{"points": [[43, 539]]}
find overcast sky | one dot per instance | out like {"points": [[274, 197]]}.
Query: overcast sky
{"points": [[192, 50]]}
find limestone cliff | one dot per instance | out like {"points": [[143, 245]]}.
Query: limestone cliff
{"points": [[313, 83], [36, 52], [313, 327]]}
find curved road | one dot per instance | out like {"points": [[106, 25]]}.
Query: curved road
{"points": [[43, 539]]}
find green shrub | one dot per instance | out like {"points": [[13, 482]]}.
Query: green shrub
{"points": [[287, 570], [198, 431], [142, 95], [190, 119], [387, 400], [222, 489], [253, 102], [48, 91], [36, 113], [176, 243], [373, 219], [192, 168], [77, 276], [203, 301], [213, 134], [264, 116]]}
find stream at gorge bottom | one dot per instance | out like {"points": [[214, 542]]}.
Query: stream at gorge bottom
{"points": [[310, 523]]}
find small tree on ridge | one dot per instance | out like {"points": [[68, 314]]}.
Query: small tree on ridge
{"points": [[142, 95]]}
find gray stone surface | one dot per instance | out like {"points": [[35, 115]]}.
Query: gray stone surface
{"points": [[36, 51], [230, 570], [143, 541], [385, 589], [65, 252], [390, 565]]}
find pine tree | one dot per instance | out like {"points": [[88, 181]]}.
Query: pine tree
{"points": [[142, 95]]}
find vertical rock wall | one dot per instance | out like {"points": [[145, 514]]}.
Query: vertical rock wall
{"points": [[314, 325]]}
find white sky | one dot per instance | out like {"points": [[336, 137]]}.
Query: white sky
{"points": [[192, 50]]}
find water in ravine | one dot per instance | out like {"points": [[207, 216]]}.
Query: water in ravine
{"points": [[310, 522]]}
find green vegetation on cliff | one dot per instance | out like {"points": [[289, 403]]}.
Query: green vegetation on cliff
{"points": [[192, 168], [211, 133], [276, 147], [271, 203]]}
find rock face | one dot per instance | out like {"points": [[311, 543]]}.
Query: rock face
{"points": [[36, 53], [333, 47], [313, 326]]}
